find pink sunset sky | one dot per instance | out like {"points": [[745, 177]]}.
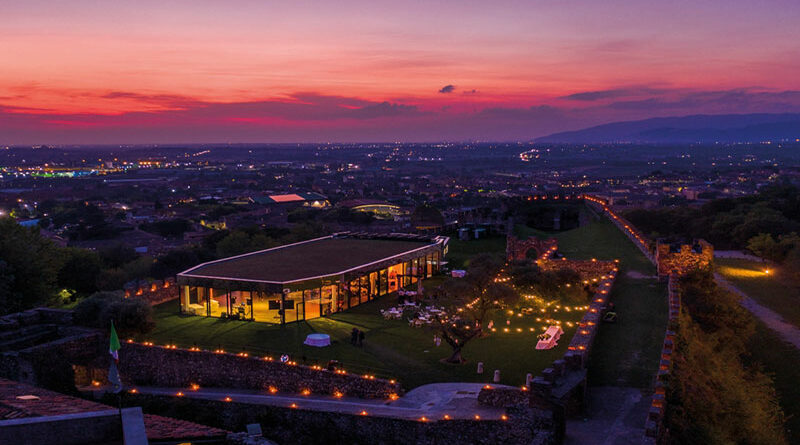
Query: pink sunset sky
{"points": [[90, 71]]}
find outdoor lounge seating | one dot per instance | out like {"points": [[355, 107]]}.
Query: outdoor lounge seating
{"points": [[549, 339]]}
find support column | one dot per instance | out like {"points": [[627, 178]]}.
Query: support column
{"points": [[283, 307]]}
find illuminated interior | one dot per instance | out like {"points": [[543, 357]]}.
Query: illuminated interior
{"points": [[304, 299]]}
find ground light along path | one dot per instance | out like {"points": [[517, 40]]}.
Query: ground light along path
{"points": [[434, 401]]}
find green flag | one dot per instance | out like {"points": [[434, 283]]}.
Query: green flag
{"points": [[114, 343]]}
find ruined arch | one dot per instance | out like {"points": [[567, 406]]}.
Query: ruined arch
{"points": [[517, 249]]}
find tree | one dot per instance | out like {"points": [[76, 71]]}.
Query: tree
{"points": [[172, 228], [468, 301], [561, 284], [130, 315], [117, 255], [791, 264], [715, 395], [425, 215], [175, 261], [762, 245], [239, 241], [80, 270], [30, 264]]}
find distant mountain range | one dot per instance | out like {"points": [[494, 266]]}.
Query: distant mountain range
{"points": [[702, 128]]}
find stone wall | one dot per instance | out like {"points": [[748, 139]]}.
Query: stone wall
{"points": [[36, 316], [699, 254], [517, 249], [144, 364], [50, 365], [153, 292], [503, 397], [591, 270], [654, 425], [523, 425], [41, 346], [68, 429], [639, 240]]}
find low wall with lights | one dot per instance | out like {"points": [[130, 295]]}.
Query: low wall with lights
{"points": [[564, 382], [153, 292], [639, 240], [654, 425], [297, 423], [170, 366]]}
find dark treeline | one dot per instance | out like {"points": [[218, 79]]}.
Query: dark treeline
{"points": [[34, 271], [716, 395]]}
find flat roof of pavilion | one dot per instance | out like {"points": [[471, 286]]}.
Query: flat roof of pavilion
{"points": [[311, 259]]}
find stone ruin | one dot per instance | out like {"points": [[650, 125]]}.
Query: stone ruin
{"points": [[683, 258], [517, 249]]}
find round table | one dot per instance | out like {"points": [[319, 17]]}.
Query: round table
{"points": [[318, 340]]}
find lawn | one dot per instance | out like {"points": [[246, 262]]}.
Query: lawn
{"points": [[626, 353], [393, 349], [461, 251], [770, 290]]}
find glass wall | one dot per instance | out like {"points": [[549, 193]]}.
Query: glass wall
{"points": [[293, 307], [266, 307], [241, 305], [194, 300], [311, 299], [218, 299], [373, 285]]}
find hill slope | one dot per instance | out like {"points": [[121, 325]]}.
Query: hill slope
{"points": [[696, 128]]}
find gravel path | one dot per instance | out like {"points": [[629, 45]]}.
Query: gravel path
{"points": [[772, 319]]}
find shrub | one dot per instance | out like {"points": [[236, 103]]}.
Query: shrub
{"points": [[130, 315]]}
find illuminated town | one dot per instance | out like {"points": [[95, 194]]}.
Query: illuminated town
{"points": [[377, 223]]}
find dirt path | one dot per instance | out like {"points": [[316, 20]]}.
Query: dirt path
{"points": [[772, 319]]}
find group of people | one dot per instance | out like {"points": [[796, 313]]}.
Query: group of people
{"points": [[357, 337]]}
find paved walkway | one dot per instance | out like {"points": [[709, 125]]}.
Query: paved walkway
{"points": [[457, 400], [772, 319], [615, 416], [738, 254]]}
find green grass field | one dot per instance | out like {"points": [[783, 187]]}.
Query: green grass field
{"points": [[393, 349], [461, 251], [626, 353], [770, 290]]}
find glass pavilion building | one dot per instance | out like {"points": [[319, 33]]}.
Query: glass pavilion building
{"points": [[309, 279]]}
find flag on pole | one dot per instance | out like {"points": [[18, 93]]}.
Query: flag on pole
{"points": [[114, 345], [113, 372]]}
